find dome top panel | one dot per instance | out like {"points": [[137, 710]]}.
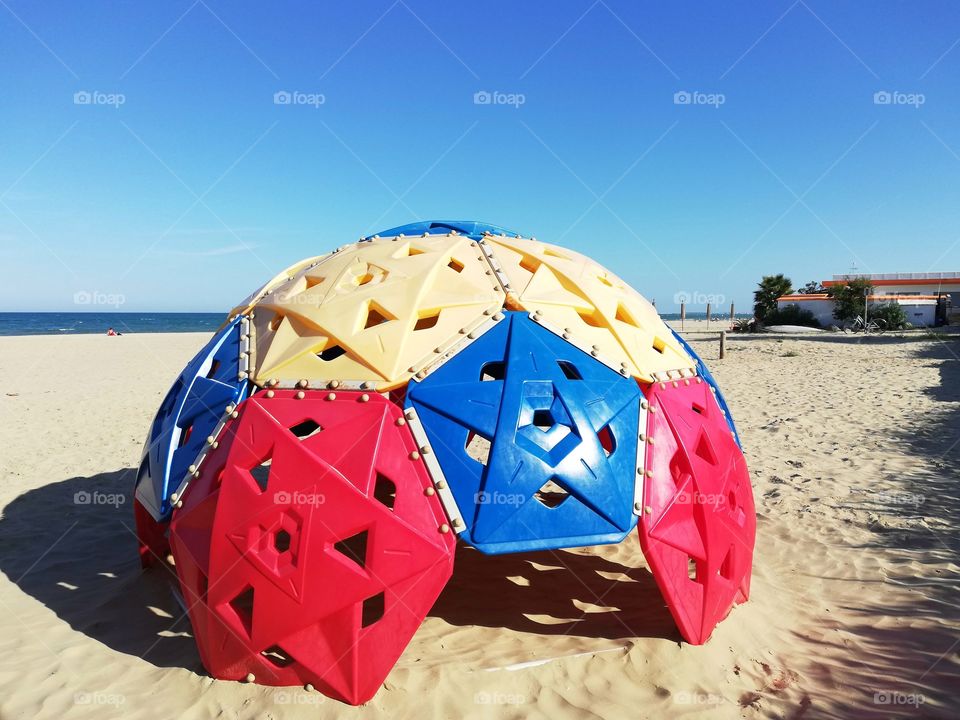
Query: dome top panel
{"points": [[590, 306], [373, 312]]}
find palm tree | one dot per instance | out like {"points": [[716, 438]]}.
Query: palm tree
{"points": [[769, 289]]}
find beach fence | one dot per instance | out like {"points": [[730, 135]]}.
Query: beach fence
{"points": [[709, 313]]}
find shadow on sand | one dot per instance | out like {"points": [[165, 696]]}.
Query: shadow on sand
{"points": [[72, 546]]}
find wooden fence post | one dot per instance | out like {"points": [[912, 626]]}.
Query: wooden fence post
{"points": [[723, 343]]}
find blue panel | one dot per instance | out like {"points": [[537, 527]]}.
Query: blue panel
{"points": [[189, 414], [704, 372], [549, 410], [442, 227]]}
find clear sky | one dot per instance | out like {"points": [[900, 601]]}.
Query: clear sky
{"points": [[178, 183]]}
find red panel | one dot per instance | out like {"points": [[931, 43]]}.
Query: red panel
{"points": [[278, 580], [151, 536], [698, 524]]}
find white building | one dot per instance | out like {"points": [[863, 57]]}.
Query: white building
{"points": [[922, 286], [921, 310], [819, 304]]}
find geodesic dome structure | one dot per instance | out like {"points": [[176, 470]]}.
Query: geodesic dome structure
{"points": [[314, 465]]}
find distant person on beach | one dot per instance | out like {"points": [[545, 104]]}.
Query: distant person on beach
{"points": [[111, 332]]}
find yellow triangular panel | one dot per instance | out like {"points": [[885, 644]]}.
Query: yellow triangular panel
{"points": [[282, 277], [373, 312], [593, 307]]}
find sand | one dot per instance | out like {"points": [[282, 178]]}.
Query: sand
{"points": [[852, 447]]}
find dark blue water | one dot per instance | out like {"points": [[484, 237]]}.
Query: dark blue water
{"points": [[13, 323], [95, 323]]}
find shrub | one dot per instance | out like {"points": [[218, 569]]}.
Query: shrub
{"points": [[849, 299], [765, 296], [792, 315], [891, 314]]}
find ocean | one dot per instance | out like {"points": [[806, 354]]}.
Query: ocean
{"points": [[97, 323], [94, 323]]}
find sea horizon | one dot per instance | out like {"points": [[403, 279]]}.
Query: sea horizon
{"points": [[47, 322], [97, 323]]}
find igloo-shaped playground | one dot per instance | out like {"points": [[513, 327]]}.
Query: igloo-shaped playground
{"points": [[313, 467]]}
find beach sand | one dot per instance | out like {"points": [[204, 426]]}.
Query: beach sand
{"points": [[852, 447]]}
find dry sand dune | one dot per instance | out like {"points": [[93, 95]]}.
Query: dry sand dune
{"points": [[852, 447]]}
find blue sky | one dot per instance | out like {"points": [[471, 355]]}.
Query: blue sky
{"points": [[182, 185]]}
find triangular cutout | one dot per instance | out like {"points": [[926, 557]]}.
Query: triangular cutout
{"points": [[427, 320], [569, 370], [261, 473], [478, 447], [242, 605], [385, 491], [376, 315], [530, 264], [276, 655], [607, 441], [408, 250], [624, 316], [331, 352], [551, 494], [307, 428], [592, 318], [354, 548], [373, 609], [705, 449]]}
